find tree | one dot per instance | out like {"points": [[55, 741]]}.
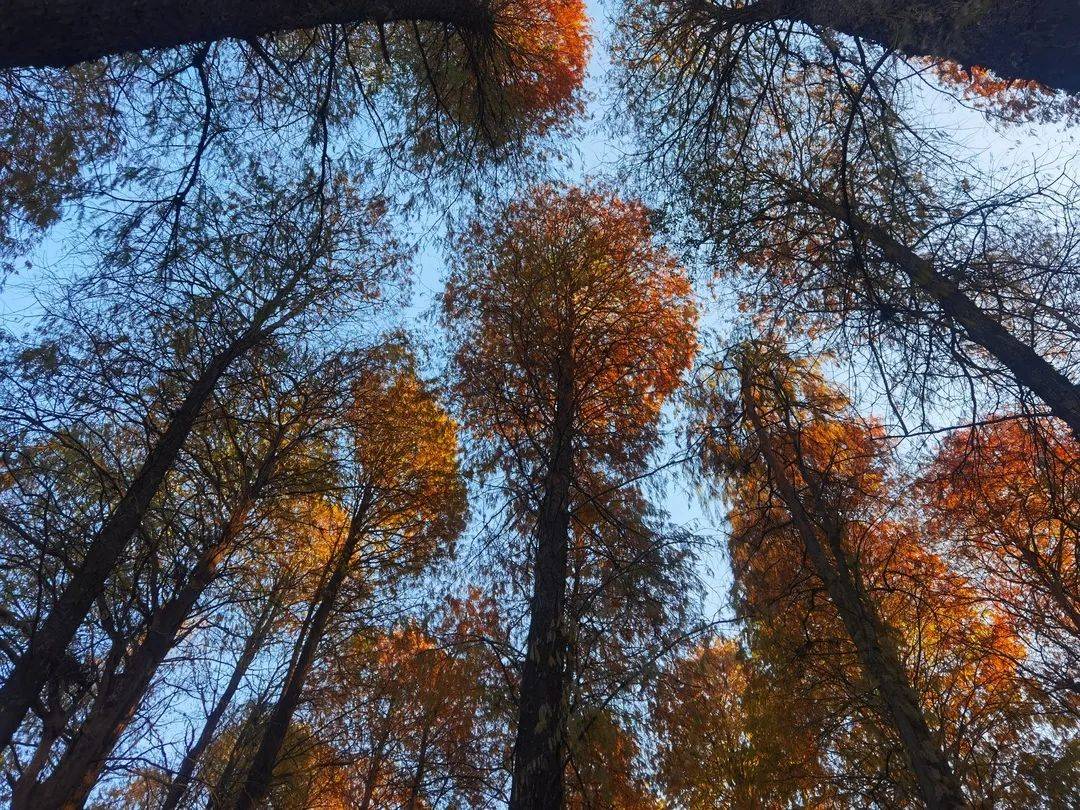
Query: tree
{"points": [[250, 273], [1003, 500], [726, 736], [816, 467], [283, 454], [1017, 39], [835, 210], [414, 709], [401, 507], [958, 662], [418, 95], [570, 329]]}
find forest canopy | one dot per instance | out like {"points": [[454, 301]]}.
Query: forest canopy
{"points": [[622, 405]]}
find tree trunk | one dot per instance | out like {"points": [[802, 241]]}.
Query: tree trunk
{"points": [[938, 786], [246, 739], [61, 33], [375, 765], [53, 726], [1028, 367], [259, 634], [257, 784], [80, 767], [49, 644], [540, 747], [421, 767], [1017, 39]]}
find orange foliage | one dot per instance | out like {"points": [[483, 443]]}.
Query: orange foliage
{"points": [[546, 49], [604, 768], [1006, 498], [1018, 100], [569, 278], [416, 706], [405, 449], [519, 77], [726, 739], [962, 659]]}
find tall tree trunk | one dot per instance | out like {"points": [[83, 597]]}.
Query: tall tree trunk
{"points": [[1017, 39], [48, 645], [53, 726], [938, 786], [246, 739], [1029, 368], [260, 632], [257, 784], [62, 33], [421, 767], [376, 761], [540, 747], [80, 766]]}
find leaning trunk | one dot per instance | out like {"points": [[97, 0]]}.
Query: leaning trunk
{"points": [[254, 643], [257, 784], [937, 784], [1017, 39], [1029, 368], [61, 33], [80, 766], [49, 644], [539, 750]]}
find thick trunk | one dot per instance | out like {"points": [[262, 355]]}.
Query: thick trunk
{"points": [[61, 33], [257, 784], [877, 652], [254, 643], [539, 750], [1028, 367], [80, 766], [1017, 39]]}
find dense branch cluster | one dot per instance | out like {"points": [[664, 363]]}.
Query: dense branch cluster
{"points": [[274, 535]]}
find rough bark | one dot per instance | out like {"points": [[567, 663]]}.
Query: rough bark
{"points": [[937, 784], [539, 749], [119, 696], [260, 773], [260, 632], [61, 33], [1028, 367], [1016, 39]]}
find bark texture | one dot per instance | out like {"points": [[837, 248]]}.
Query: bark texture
{"points": [[539, 750], [1016, 39], [937, 783], [61, 33]]}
